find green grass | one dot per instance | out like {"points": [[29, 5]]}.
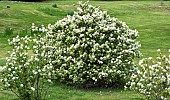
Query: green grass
{"points": [[60, 91], [71, 93], [150, 18]]}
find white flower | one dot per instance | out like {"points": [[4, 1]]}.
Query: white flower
{"points": [[9, 69], [159, 63], [34, 72], [13, 78], [140, 62], [21, 85], [150, 58], [33, 89], [49, 80], [81, 35], [33, 24], [8, 85], [39, 70], [158, 58], [93, 78], [5, 79], [158, 50]]}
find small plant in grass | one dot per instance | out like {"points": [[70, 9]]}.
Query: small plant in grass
{"points": [[152, 77], [91, 48], [23, 74], [55, 6], [8, 31]]}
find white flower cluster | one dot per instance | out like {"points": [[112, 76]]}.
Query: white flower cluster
{"points": [[90, 46], [22, 72], [152, 77], [35, 30]]}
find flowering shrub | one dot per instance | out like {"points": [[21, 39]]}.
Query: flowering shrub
{"points": [[25, 75], [152, 77], [91, 47]]}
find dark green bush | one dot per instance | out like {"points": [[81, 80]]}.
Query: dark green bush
{"points": [[8, 31]]}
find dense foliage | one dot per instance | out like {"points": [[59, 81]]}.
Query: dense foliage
{"points": [[91, 47], [152, 77]]}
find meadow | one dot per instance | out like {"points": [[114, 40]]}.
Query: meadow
{"points": [[150, 18]]}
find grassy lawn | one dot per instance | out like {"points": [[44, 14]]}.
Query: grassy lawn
{"points": [[150, 18], [59, 91]]}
